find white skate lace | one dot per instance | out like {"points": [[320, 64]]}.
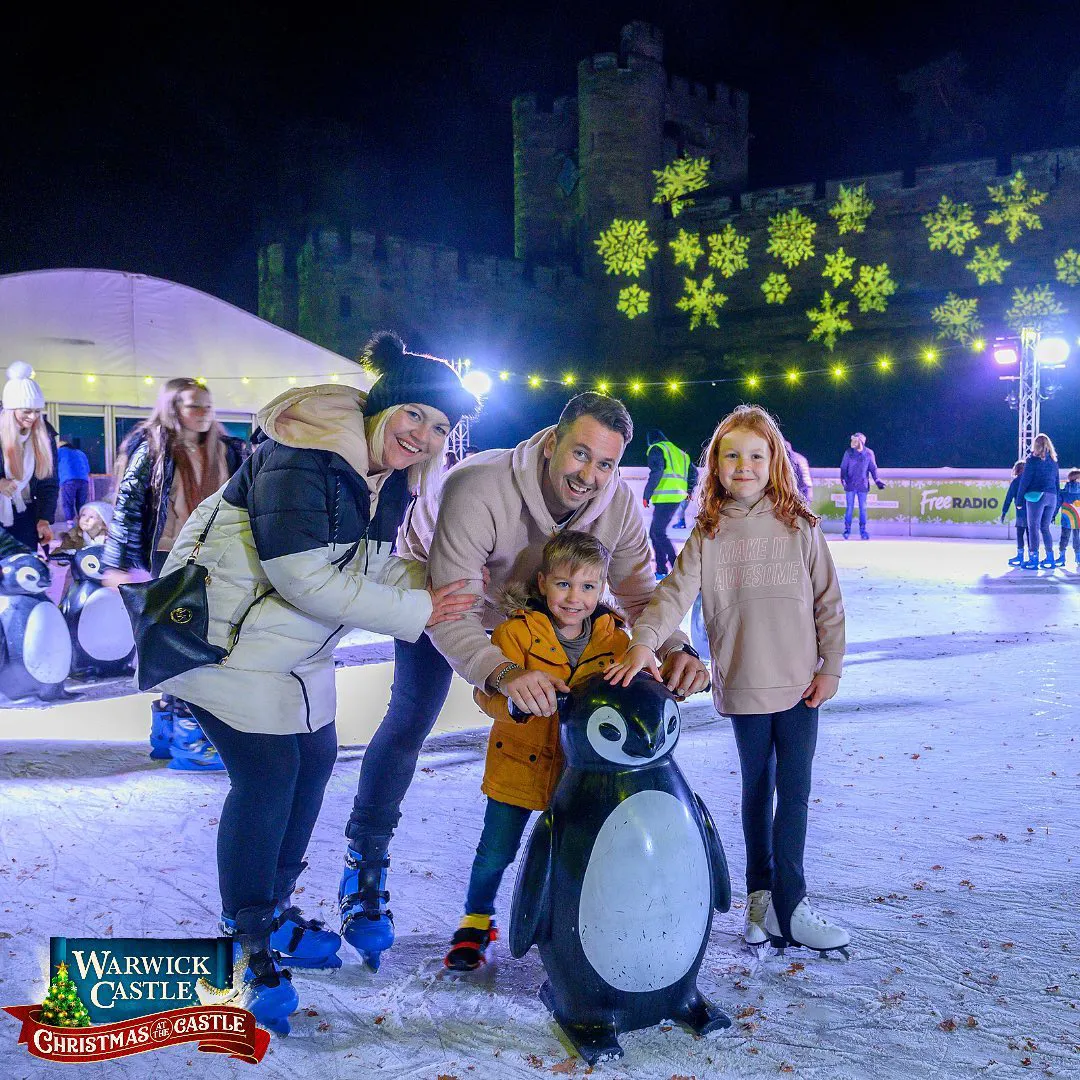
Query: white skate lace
{"points": [[759, 905]]}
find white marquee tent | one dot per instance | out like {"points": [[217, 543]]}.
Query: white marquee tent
{"points": [[106, 338]]}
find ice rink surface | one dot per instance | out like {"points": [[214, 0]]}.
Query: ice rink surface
{"points": [[943, 832]]}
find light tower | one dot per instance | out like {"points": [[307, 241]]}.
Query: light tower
{"points": [[457, 442], [1028, 400]]}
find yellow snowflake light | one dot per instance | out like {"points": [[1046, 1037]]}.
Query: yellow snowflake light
{"points": [[1068, 267], [701, 302], [1035, 309], [838, 267], [1015, 206], [951, 226], [957, 319], [829, 322], [633, 301], [852, 209], [677, 180], [776, 288], [686, 248], [989, 264], [791, 237], [625, 247], [873, 288], [727, 251]]}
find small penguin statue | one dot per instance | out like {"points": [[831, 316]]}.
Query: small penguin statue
{"points": [[35, 649], [621, 874], [101, 638]]}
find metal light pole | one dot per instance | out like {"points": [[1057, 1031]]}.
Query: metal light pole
{"points": [[1028, 400], [457, 442]]}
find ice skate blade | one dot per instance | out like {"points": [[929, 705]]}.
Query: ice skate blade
{"points": [[328, 963], [780, 944]]}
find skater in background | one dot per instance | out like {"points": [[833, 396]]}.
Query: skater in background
{"points": [[1039, 485], [300, 543], [672, 477], [73, 467], [803, 480], [28, 477], [857, 468], [494, 516], [1012, 498], [558, 627], [775, 620], [166, 466], [1069, 497]]}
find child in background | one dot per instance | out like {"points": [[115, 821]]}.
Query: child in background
{"points": [[1011, 498], [560, 628], [92, 528], [1069, 496], [775, 619]]}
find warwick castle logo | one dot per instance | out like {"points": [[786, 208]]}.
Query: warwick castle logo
{"points": [[113, 997]]}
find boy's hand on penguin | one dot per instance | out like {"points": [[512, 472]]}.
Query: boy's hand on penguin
{"points": [[821, 688], [637, 658]]}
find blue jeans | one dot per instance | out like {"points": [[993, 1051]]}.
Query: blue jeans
{"points": [[1039, 513], [276, 785], [1068, 531], [504, 826], [850, 496], [73, 493], [421, 683], [776, 752]]}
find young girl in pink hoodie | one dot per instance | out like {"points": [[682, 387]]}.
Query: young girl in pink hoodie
{"points": [[775, 621]]}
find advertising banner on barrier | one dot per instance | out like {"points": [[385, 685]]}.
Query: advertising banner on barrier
{"points": [[891, 504], [957, 502]]}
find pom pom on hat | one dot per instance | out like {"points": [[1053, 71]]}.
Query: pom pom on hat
{"points": [[404, 376], [20, 391]]}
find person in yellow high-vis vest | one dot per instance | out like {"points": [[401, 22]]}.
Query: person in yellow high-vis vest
{"points": [[671, 480]]}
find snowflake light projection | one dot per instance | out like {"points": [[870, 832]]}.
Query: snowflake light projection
{"points": [[633, 301], [727, 251], [1068, 267], [838, 267], [957, 319], [701, 302], [1034, 309], [951, 226], [686, 249], [791, 237], [677, 180], [1015, 207], [851, 209], [625, 247], [829, 322], [776, 288], [873, 288], [989, 264]]}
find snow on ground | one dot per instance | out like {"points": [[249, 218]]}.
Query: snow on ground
{"points": [[943, 832]]}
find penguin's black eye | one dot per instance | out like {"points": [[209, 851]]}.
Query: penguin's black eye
{"points": [[610, 732], [671, 725]]}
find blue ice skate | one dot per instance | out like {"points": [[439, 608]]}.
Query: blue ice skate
{"points": [[304, 943], [161, 729], [366, 923], [191, 750]]}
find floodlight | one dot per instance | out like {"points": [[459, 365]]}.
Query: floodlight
{"points": [[1052, 352], [1006, 355], [478, 383]]}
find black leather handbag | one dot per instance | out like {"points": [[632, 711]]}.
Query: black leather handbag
{"points": [[170, 619]]}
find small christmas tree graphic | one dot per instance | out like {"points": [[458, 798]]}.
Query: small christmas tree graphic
{"points": [[62, 1007]]}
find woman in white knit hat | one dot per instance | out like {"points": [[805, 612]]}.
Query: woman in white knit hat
{"points": [[28, 480]]}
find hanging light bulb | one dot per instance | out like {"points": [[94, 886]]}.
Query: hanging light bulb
{"points": [[149, 380], [535, 381], [792, 376], [752, 381]]}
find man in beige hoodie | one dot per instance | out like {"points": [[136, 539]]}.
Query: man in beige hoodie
{"points": [[496, 512]]}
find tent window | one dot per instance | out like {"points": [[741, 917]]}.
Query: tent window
{"points": [[90, 433]]}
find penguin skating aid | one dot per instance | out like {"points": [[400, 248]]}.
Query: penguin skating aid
{"points": [[101, 638], [35, 649], [621, 875]]}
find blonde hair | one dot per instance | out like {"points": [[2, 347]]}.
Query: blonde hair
{"points": [[788, 504], [13, 452], [424, 478], [1042, 446]]}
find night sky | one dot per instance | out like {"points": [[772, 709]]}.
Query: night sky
{"points": [[171, 140]]}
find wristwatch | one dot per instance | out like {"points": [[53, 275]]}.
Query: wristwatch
{"points": [[689, 649]]}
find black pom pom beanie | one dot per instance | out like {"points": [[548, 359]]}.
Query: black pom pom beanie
{"points": [[405, 376]]}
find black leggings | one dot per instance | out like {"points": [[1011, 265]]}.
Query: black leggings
{"points": [[276, 790], [662, 546]]}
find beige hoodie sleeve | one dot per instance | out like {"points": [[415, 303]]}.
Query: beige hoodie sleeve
{"points": [[673, 597], [828, 605]]}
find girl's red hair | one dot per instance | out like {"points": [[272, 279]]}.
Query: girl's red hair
{"points": [[788, 504]]}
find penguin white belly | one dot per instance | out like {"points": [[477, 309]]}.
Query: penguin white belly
{"points": [[645, 899], [104, 629], [46, 644]]}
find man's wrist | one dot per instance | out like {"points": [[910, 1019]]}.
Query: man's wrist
{"points": [[504, 671]]}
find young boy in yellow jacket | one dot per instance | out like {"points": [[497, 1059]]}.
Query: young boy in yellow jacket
{"points": [[563, 630]]}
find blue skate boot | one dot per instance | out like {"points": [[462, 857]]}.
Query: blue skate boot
{"points": [[302, 942], [260, 984], [161, 729], [366, 923], [191, 750]]}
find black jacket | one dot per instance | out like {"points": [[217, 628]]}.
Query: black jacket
{"points": [[137, 521], [40, 498]]}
